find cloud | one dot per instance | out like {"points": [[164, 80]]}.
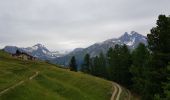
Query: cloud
{"points": [[57, 23]]}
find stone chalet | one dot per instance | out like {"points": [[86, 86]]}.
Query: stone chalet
{"points": [[23, 55]]}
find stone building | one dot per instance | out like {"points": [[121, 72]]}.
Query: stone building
{"points": [[23, 55]]}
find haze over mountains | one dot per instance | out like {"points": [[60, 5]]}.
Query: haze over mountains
{"points": [[131, 39]]}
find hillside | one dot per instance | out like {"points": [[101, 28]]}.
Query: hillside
{"points": [[51, 83]]}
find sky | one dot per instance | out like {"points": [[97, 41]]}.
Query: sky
{"points": [[68, 24]]}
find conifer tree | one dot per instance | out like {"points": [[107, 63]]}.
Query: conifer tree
{"points": [[140, 57], [119, 62], [159, 44], [125, 64], [95, 66], [73, 65], [167, 84], [102, 66], [86, 64]]}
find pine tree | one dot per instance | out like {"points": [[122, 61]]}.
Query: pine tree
{"points": [[73, 65], [95, 64], [125, 63], [102, 66], [119, 61], [110, 63], [86, 65], [167, 84], [159, 41], [113, 61], [140, 57], [159, 44]]}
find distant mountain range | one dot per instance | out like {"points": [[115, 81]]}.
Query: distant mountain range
{"points": [[37, 50], [131, 39]]}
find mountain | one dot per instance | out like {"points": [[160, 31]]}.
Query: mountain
{"points": [[37, 50], [131, 39]]}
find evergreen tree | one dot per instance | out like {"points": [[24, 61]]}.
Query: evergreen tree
{"points": [[99, 66], [86, 65], [113, 61], [139, 70], [119, 62], [159, 44], [109, 60], [102, 66], [125, 63], [167, 84], [73, 65], [95, 64], [159, 39]]}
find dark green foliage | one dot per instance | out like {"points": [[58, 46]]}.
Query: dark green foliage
{"points": [[140, 70], [86, 65], [125, 64], [94, 65], [167, 84], [119, 62], [159, 39], [73, 65], [102, 66], [159, 44], [110, 62], [113, 62], [99, 66]]}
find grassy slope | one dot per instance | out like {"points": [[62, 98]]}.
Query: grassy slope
{"points": [[124, 94], [51, 84]]}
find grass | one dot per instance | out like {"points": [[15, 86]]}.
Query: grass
{"points": [[124, 94], [52, 83]]}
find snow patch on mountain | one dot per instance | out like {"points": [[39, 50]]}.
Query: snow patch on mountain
{"points": [[130, 43]]}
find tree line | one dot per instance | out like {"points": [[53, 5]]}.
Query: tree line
{"points": [[145, 70]]}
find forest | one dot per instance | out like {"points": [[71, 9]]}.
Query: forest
{"points": [[144, 70]]}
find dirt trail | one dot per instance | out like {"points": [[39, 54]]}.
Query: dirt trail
{"points": [[117, 92], [33, 76], [17, 84], [129, 95], [114, 92]]}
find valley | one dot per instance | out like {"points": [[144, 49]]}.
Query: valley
{"points": [[84, 50]]}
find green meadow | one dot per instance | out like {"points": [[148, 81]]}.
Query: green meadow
{"points": [[52, 82]]}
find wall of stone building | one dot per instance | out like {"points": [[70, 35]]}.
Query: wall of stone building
{"points": [[24, 57]]}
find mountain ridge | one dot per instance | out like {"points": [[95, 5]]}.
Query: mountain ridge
{"points": [[131, 39], [38, 50]]}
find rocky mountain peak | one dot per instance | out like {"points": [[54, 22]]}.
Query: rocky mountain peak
{"points": [[38, 45]]}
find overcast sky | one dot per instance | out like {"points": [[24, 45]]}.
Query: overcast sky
{"points": [[67, 24]]}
